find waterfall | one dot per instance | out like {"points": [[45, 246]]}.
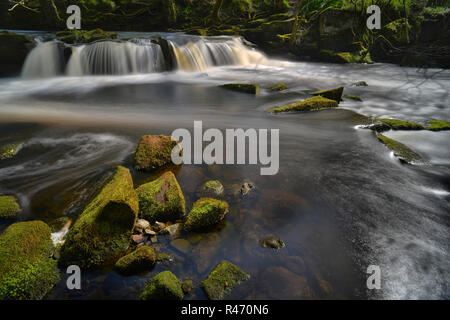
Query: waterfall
{"points": [[46, 60], [138, 56]]}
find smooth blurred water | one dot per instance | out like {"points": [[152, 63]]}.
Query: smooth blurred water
{"points": [[340, 202]]}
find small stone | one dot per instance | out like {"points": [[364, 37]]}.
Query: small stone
{"points": [[211, 189], [272, 242], [154, 239], [172, 230], [138, 238], [149, 231], [360, 84], [141, 224], [159, 226]]}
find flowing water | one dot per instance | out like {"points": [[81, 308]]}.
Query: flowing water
{"points": [[340, 202]]}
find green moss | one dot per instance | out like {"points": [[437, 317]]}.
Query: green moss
{"points": [[395, 124], [438, 125], [242, 87], [212, 188], [163, 256], [153, 151], [140, 260], [332, 94], [58, 223], [205, 213], [344, 57], [9, 150], [222, 280], [186, 286], [356, 98], [161, 199], [83, 36], [163, 286], [311, 104], [9, 207], [401, 151], [26, 269], [398, 30], [278, 87], [103, 230]]}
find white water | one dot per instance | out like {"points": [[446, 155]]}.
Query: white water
{"points": [[44, 61]]}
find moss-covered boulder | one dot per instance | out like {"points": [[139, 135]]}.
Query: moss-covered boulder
{"points": [[312, 104], [395, 124], [163, 286], [222, 280], [9, 207], [402, 152], [103, 230], [278, 87], [205, 213], [26, 269], [210, 189], [85, 36], [140, 260], [242, 87], [332, 94], [153, 151], [398, 30], [438, 125], [161, 199]]}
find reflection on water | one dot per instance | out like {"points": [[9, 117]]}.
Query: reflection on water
{"points": [[339, 202]]}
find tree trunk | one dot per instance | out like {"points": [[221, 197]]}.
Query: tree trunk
{"points": [[406, 21], [215, 13]]}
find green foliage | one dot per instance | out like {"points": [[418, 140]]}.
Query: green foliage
{"points": [[26, 269]]}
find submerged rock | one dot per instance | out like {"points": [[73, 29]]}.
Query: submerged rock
{"points": [[356, 98], [182, 245], [84, 36], [9, 207], [205, 213], [395, 124], [437, 125], [161, 199], [154, 151], [242, 87], [360, 84], [278, 87], [163, 286], [103, 230], [401, 151], [272, 242], [186, 286], [140, 260], [27, 270], [311, 104], [210, 189], [222, 280], [332, 94]]}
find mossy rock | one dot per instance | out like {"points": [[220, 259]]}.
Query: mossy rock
{"points": [[9, 207], [278, 87], [360, 84], [140, 260], [58, 223], [272, 243], [405, 154], [84, 36], [438, 125], [222, 280], [26, 269], [161, 199], [356, 98], [242, 87], [395, 124], [9, 150], [312, 104], [398, 30], [332, 94], [164, 286], [211, 189], [187, 286], [154, 151], [205, 213], [344, 57], [103, 230]]}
